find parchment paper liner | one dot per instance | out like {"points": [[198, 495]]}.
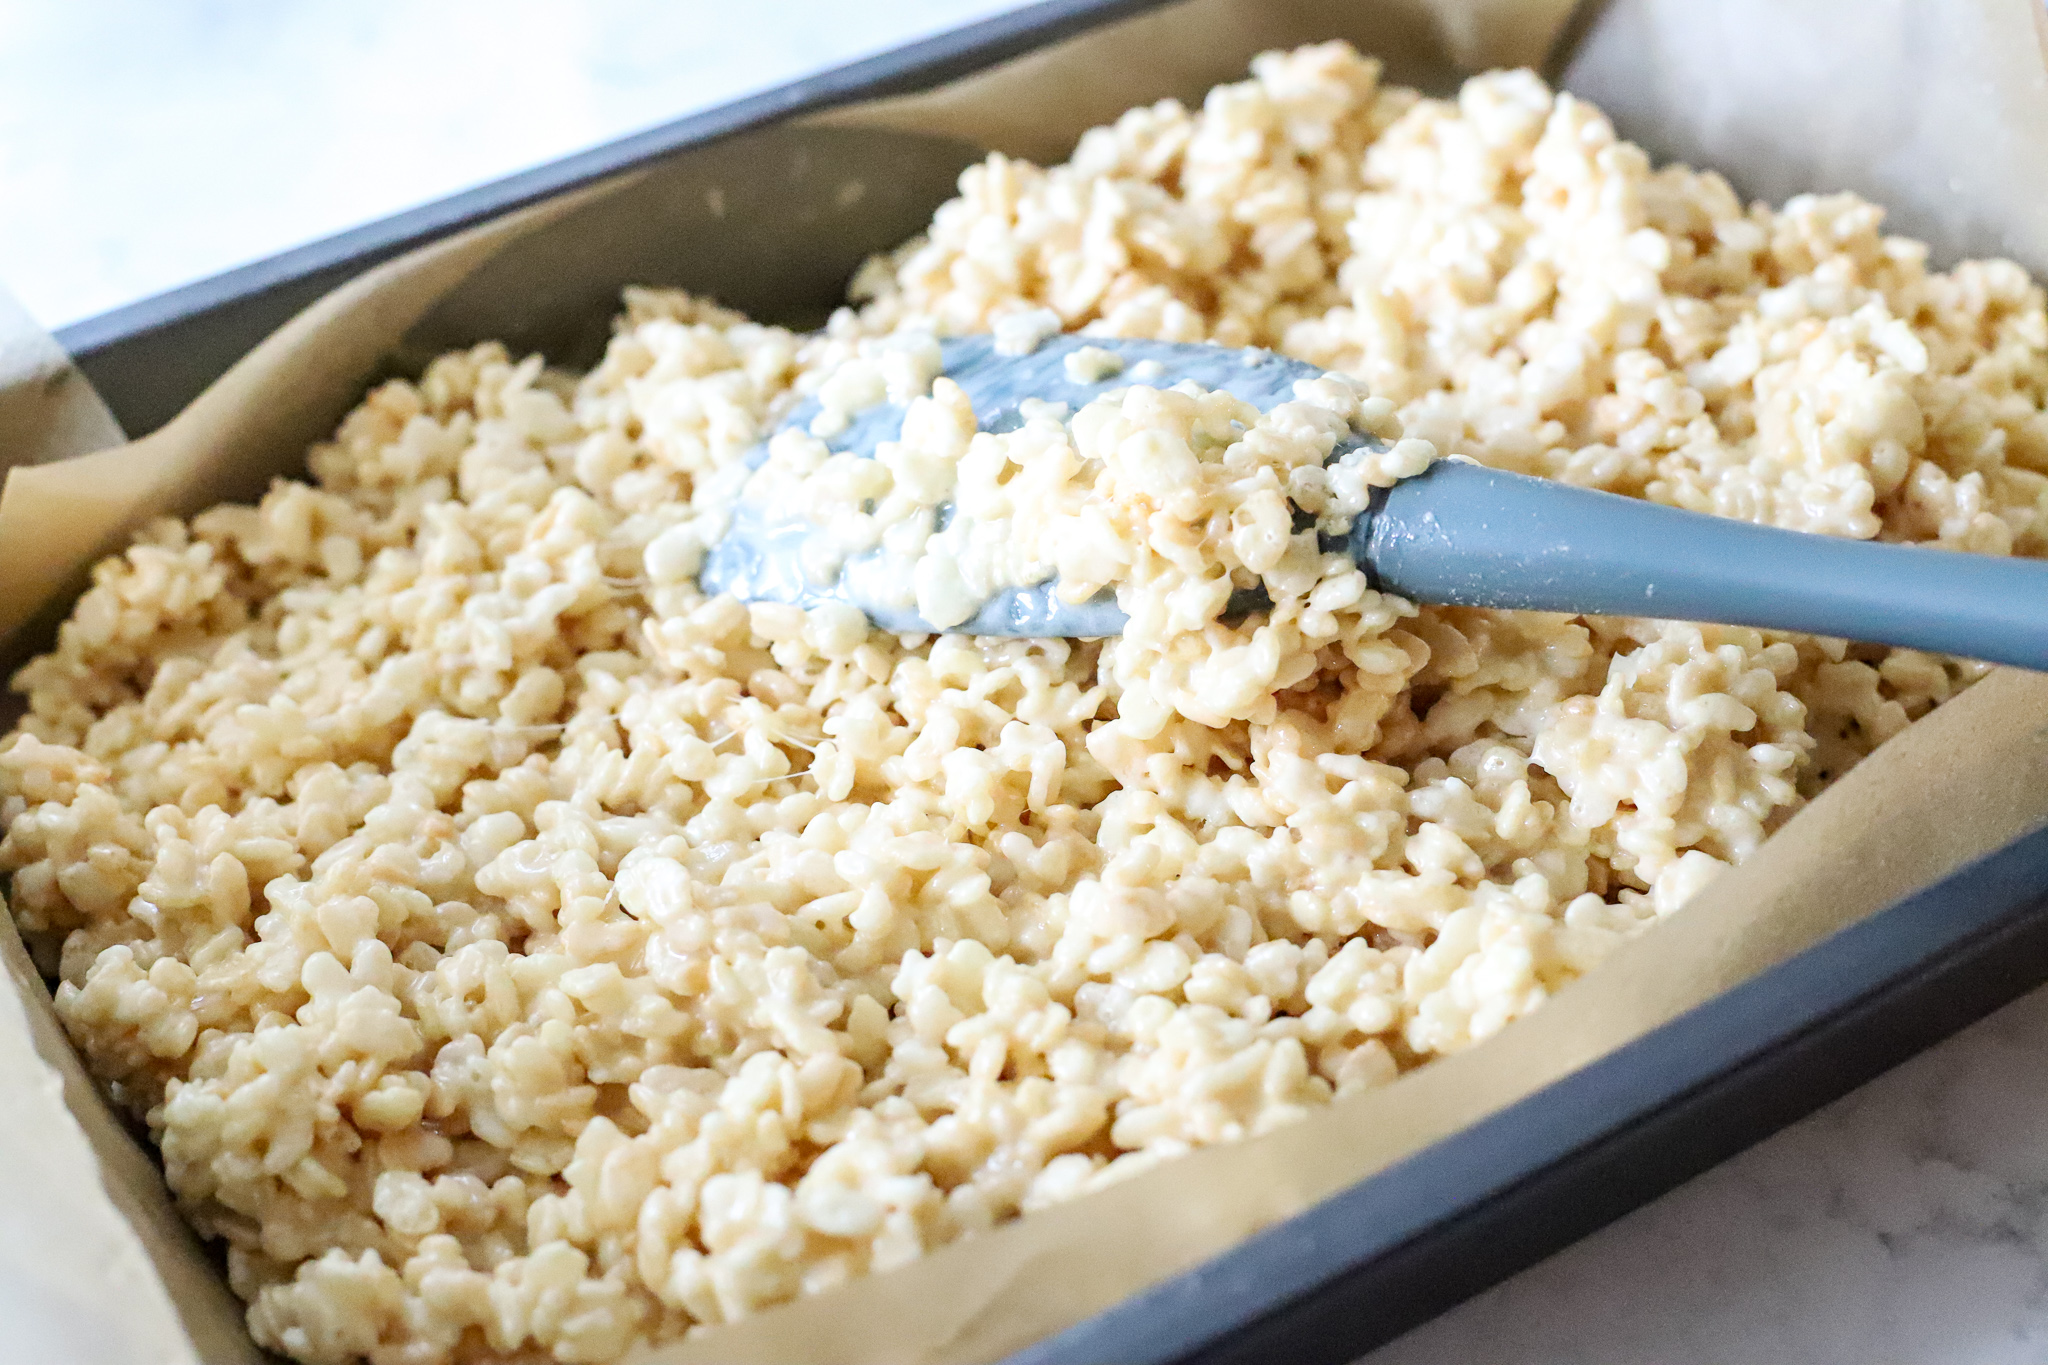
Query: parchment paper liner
{"points": [[1944, 116]]}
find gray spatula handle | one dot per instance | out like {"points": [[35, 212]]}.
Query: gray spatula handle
{"points": [[1466, 535]]}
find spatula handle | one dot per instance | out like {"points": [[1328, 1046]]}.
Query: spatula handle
{"points": [[1466, 535]]}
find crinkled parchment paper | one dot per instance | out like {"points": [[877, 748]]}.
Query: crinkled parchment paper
{"points": [[1939, 110]]}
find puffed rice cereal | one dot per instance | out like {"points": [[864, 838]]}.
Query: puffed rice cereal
{"points": [[518, 955]]}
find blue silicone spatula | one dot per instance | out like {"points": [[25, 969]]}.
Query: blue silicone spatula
{"points": [[1465, 535]]}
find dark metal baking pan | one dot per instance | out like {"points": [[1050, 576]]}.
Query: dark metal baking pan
{"points": [[1397, 1248]]}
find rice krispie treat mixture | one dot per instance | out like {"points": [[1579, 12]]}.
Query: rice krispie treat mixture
{"points": [[518, 955]]}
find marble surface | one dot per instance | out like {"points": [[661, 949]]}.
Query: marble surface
{"points": [[249, 128], [1901, 1225], [1904, 1224]]}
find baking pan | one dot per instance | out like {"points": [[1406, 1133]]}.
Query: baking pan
{"points": [[1392, 1250]]}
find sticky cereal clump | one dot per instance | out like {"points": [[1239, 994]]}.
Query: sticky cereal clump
{"points": [[946, 515], [518, 955]]}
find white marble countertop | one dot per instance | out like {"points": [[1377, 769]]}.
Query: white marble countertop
{"points": [[1903, 1224]]}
